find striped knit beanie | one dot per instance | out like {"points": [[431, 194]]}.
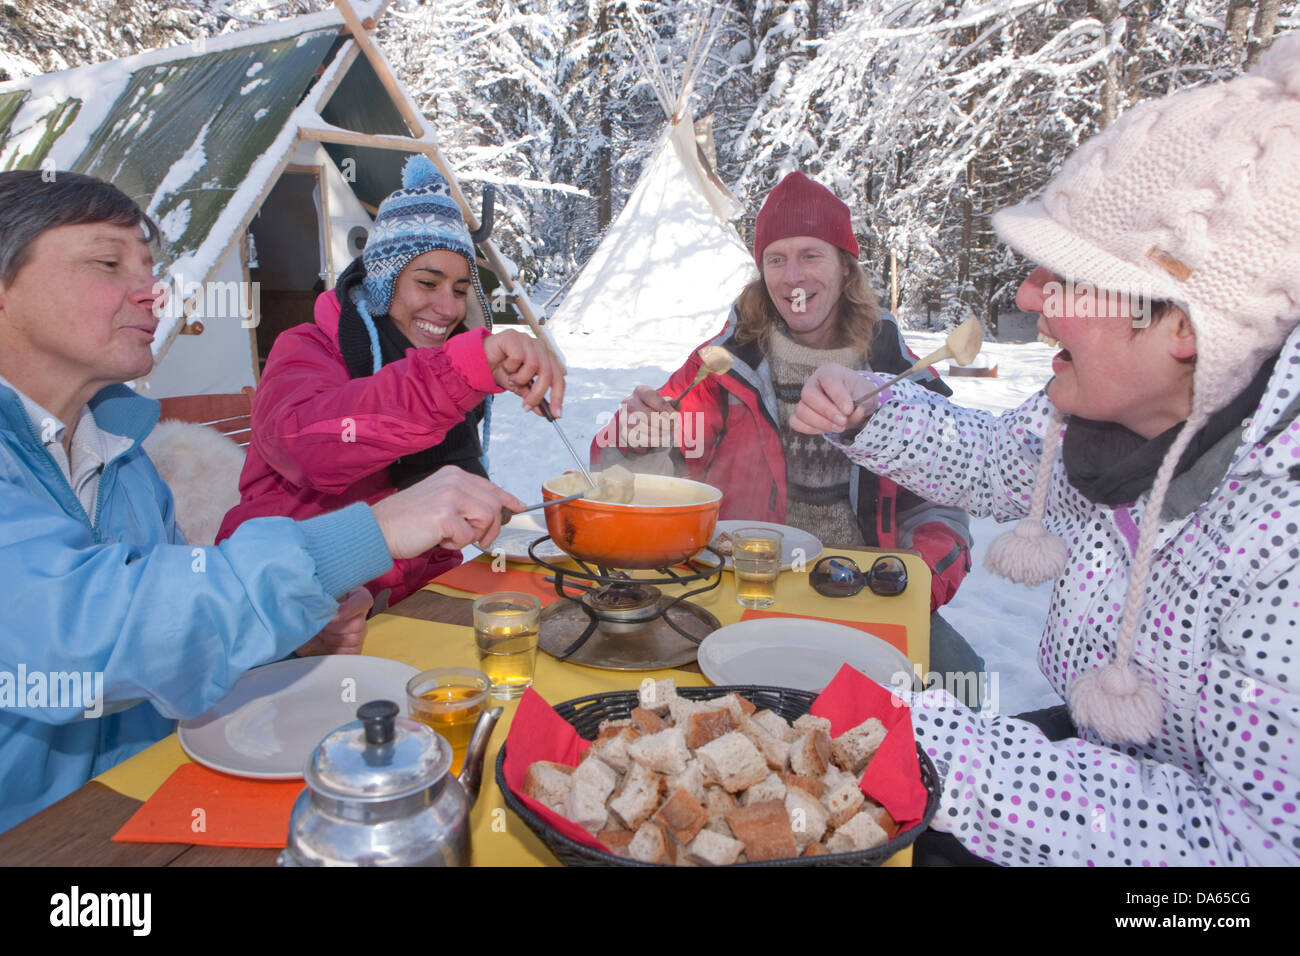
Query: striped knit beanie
{"points": [[1193, 199], [418, 218]]}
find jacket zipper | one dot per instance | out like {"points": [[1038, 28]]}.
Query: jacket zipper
{"points": [[44, 456]]}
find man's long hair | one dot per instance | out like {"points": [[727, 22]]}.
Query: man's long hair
{"points": [[856, 315]]}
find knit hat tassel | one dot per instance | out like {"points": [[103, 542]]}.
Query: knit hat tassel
{"points": [[1114, 700], [1030, 554], [1116, 703]]}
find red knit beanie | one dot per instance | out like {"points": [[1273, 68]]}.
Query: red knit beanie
{"points": [[798, 206]]}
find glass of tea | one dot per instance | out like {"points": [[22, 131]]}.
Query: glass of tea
{"points": [[756, 559], [506, 625], [448, 699]]}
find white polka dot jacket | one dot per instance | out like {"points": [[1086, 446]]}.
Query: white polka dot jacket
{"points": [[1219, 637]]}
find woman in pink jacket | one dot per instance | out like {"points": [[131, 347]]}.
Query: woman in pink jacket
{"points": [[389, 384]]}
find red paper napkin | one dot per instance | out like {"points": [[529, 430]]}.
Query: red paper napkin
{"points": [[479, 577], [893, 778], [539, 733], [895, 634], [198, 805]]}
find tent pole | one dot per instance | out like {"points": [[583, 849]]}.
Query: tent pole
{"points": [[414, 122]]}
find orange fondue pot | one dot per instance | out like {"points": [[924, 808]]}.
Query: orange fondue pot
{"points": [[669, 520]]}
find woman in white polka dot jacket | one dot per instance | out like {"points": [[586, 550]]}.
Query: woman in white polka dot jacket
{"points": [[1169, 270]]}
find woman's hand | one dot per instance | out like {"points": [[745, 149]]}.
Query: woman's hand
{"points": [[451, 508], [524, 365], [826, 404]]}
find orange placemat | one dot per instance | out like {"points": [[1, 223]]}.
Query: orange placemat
{"points": [[479, 577], [198, 805], [895, 634]]}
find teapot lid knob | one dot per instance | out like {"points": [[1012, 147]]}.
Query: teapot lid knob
{"points": [[377, 716]]}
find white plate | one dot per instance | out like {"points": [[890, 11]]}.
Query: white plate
{"points": [[795, 542], [274, 716], [515, 537], [797, 652]]}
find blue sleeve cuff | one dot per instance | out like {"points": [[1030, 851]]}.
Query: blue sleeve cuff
{"points": [[348, 548]]}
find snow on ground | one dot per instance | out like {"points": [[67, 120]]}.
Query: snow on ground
{"points": [[1001, 620]]}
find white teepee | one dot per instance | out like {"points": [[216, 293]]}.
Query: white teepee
{"points": [[670, 265]]}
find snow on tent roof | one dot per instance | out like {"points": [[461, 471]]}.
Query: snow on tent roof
{"points": [[192, 133], [181, 136], [668, 267]]}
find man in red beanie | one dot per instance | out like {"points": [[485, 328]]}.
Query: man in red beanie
{"points": [[811, 304]]}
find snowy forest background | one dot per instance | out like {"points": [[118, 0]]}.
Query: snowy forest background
{"points": [[924, 115]]}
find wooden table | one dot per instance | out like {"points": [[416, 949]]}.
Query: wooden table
{"points": [[78, 830]]}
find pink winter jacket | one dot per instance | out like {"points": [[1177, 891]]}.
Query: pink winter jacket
{"points": [[323, 440]]}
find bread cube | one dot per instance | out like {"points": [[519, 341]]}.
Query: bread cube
{"points": [[774, 724], [651, 845], [616, 841], [854, 750], [715, 849], [732, 761], [812, 785], [764, 828], [769, 788], [808, 818], [691, 780], [657, 695], [549, 783], [664, 752], [611, 747], [596, 774], [810, 754], [585, 806], [808, 722], [647, 721], [703, 727], [859, 833], [682, 815], [639, 797], [843, 802]]}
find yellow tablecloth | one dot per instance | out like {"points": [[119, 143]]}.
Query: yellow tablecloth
{"points": [[499, 837]]}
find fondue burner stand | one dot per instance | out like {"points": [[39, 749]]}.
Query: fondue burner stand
{"points": [[618, 622]]}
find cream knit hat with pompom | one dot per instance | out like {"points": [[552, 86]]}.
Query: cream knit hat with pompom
{"points": [[1194, 199]]}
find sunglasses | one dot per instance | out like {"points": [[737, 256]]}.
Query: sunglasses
{"points": [[838, 576]]}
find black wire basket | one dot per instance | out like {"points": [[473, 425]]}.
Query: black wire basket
{"points": [[586, 713]]}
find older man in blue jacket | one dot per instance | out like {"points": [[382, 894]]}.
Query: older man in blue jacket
{"points": [[112, 626]]}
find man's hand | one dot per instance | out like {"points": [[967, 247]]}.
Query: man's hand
{"points": [[451, 508], [347, 632], [525, 366], [647, 405], [826, 404]]}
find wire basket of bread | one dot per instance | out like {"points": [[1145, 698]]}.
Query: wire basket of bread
{"points": [[741, 775]]}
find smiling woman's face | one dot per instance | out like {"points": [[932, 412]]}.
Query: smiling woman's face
{"points": [[429, 297], [1106, 371]]}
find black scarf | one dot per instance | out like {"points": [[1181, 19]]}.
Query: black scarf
{"points": [[460, 446], [1111, 465]]}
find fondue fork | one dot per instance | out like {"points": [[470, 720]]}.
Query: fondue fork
{"points": [[507, 514], [546, 410]]}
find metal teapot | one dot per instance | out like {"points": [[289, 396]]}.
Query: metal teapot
{"points": [[378, 794]]}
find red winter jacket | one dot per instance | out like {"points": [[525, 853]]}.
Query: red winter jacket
{"points": [[737, 447], [323, 440]]}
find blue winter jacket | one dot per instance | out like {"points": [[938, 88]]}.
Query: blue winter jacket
{"points": [[125, 604]]}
